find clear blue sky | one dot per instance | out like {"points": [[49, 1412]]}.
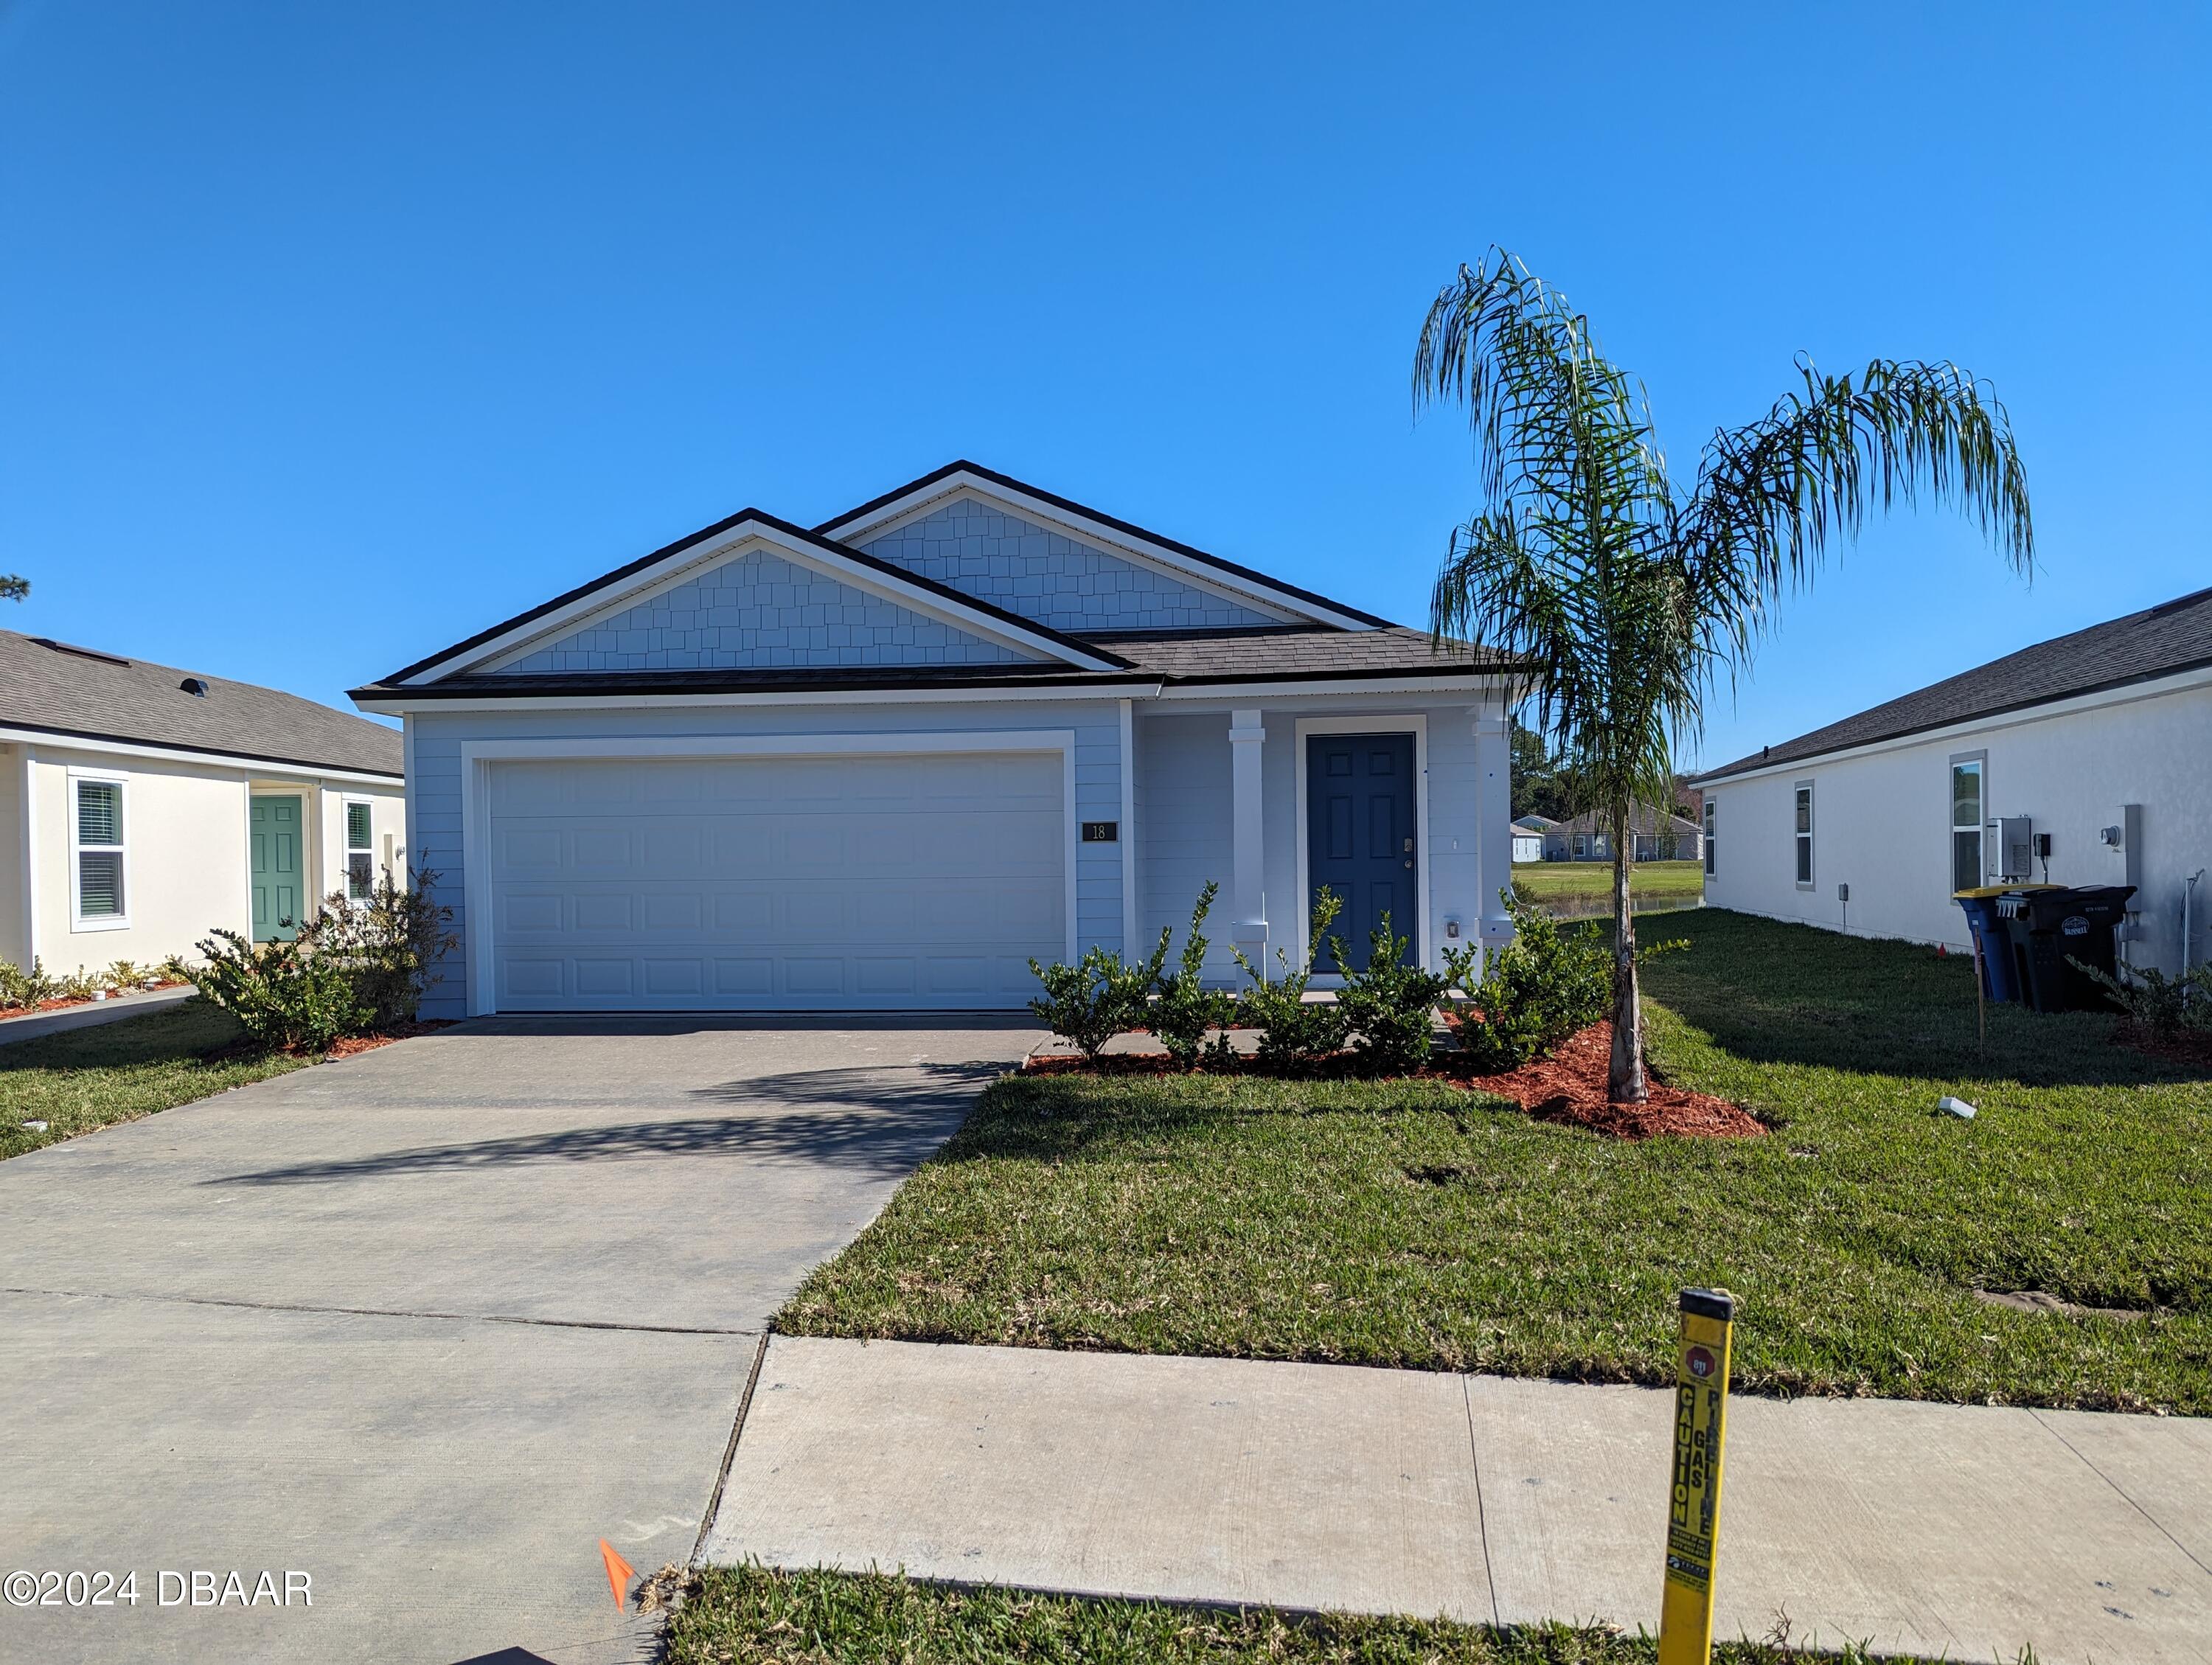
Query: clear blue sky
{"points": [[332, 334]]}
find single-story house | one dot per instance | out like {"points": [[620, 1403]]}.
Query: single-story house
{"points": [[151, 805], [1655, 835], [883, 762], [2084, 760], [1528, 832]]}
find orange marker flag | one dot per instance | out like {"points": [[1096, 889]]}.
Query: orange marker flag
{"points": [[619, 1572]]}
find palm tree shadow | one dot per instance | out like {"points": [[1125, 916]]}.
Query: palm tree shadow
{"points": [[879, 1122]]}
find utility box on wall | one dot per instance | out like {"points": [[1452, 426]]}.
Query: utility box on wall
{"points": [[2012, 847]]}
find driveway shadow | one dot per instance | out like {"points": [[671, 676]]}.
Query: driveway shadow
{"points": [[878, 1123]]}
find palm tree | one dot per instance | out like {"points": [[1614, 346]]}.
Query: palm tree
{"points": [[1625, 595]]}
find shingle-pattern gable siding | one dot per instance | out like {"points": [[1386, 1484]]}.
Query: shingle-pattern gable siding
{"points": [[761, 609], [1069, 586]]}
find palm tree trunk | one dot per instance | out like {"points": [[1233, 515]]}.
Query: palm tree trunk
{"points": [[1625, 1071]]}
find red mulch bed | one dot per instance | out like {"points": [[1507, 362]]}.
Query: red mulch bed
{"points": [[346, 1046], [1570, 1087], [2190, 1050], [64, 1003]]}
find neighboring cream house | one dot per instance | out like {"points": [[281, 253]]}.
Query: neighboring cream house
{"points": [[2084, 760], [1655, 837], [142, 807]]}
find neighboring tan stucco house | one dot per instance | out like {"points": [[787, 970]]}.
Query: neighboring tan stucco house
{"points": [[142, 805], [2100, 742], [884, 762]]}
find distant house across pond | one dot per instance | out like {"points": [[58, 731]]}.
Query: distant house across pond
{"points": [[1656, 835], [1528, 832]]}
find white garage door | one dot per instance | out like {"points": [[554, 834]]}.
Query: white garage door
{"points": [[767, 882]]}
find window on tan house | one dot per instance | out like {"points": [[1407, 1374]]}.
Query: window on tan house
{"points": [[96, 880], [361, 851]]}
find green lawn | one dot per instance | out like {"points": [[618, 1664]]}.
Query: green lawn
{"points": [[1415, 1224], [750, 1616], [84, 1079], [1588, 886]]}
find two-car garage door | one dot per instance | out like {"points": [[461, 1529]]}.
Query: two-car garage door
{"points": [[768, 882]]}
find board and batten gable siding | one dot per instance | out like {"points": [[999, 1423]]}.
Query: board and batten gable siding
{"points": [[1184, 814], [761, 609], [1055, 580], [1882, 820], [436, 783]]}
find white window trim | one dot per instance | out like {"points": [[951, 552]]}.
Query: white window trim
{"points": [[1712, 827], [346, 851], [1980, 828], [1416, 725], [1810, 837], [479, 953], [121, 782]]}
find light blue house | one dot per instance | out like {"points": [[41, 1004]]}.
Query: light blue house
{"points": [[884, 763]]}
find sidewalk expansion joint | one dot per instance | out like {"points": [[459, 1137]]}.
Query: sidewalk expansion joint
{"points": [[1481, 1517], [386, 1312], [729, 1453], [2194, 1558]]}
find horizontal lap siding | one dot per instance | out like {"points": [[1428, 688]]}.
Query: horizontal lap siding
{"points": [[435, 785]]}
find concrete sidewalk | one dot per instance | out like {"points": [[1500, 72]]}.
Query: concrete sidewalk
{"points": [[1934, 1528], [30, 1025]]}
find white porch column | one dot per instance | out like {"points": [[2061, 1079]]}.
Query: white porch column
{"points": [[1248, 902], [1494, 769]]}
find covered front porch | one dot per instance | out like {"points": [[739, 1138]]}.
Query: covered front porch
{"points": [[1399, 806]]}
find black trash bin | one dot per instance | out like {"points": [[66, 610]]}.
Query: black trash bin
{"points": [[2050, 930]]}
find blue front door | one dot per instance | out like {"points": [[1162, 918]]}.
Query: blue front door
{"points": [[1359, 835]]}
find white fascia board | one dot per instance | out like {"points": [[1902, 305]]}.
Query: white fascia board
{"points": [[1019, 692], [50, 741], [2100, 699], [1259, 595], [686, 564]]}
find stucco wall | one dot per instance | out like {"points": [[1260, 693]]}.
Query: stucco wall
{"points": [[980, 550], [14, 946], [1883, 821], [435, 784], [761, 609]]}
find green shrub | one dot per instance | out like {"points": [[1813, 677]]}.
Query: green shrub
{"points": [[21, 988], [355, 968], [83, 985], [1185, 1010], [1535, 992], [1096, 998], [1294, 1033], [283, 994], [2167, 1006], [1391, 1006]]}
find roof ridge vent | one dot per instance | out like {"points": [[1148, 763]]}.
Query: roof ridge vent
{"points": [[82, 652]]}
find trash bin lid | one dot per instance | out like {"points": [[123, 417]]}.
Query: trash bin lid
{"points": [[1986, 890]]}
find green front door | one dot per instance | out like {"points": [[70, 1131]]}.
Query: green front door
{"points": [[279, 865]]}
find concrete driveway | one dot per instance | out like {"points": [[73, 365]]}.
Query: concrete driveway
{"points": [[427, 1323]]}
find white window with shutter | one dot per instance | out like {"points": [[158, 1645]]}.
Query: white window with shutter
{"points": [[360, 850], [99, 877]]}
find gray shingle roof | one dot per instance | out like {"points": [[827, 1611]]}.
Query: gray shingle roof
{"points": [[100, 697], [2173, 636], [1216, 655], [1248, 655], [1643, 819]]}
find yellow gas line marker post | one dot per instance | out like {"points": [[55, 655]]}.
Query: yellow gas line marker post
{"points": [[1693, 1502]]}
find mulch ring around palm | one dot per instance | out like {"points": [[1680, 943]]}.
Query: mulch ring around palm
{"points": [[1570, 1087]]}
